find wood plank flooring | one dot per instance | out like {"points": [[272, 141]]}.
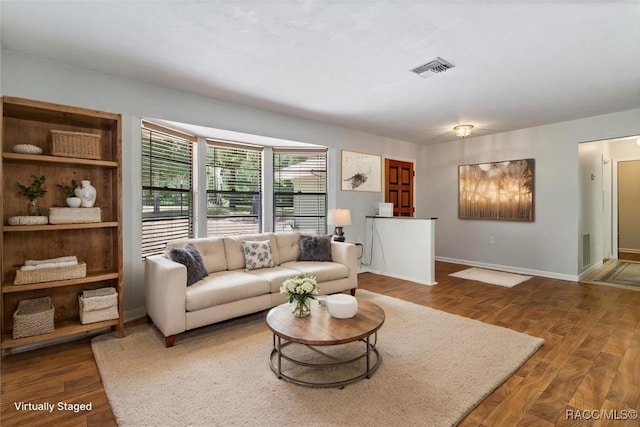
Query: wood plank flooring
{"points": [[590, 359]]}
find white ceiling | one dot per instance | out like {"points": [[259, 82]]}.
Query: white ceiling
{"points": [[518, 63]]}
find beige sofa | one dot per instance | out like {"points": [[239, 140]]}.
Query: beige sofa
{"points": [[229, 290]]}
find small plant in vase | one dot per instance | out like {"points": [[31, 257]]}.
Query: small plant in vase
{"points": [[69, 190], [301, 289], [33, 192]]}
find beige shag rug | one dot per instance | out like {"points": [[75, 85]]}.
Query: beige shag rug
{"points": [[492, 277], [435, 368]]}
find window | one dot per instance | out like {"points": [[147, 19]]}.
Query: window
{"points": [[234, 189], [167, 199], [300, 190]]}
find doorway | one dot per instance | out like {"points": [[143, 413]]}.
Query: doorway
{"points": [[628, 207], [599, 232], [399, 177]]}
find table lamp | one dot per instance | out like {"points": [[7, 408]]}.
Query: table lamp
{"points": [[339, 218]]}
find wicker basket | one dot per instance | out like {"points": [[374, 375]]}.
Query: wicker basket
{"points": [[24, 277], [33, 317], [74, 215], [98, 305], [75, 144]]}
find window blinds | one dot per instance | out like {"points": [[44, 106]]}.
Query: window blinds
{"points": [[234, 189], [300, 190], [166, 190]]}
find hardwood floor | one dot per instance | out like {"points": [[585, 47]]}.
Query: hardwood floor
{"points": [[590, 359]]}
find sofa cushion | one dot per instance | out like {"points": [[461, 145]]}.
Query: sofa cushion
{"points": [[288, 245], [257, 254], [315, 248], [235, 254], [275, 276], [191, 259], [223, 287], [211, 249], [324, 271]]}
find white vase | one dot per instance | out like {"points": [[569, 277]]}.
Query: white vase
{"points": [[74, 202], [87, 194]]}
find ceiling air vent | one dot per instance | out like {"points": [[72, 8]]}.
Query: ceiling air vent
{"points": [[431, 68]]}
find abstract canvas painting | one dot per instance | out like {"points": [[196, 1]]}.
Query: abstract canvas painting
{"points": [[361, 171], [497, 190]]}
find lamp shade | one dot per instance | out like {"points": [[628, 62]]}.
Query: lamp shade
{"points": [[339, 217]]}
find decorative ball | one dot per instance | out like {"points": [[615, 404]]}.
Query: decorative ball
{"points": [[27, 149], [341, 306]]}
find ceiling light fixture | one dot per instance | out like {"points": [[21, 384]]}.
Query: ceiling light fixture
{"points": [[463, 130]]}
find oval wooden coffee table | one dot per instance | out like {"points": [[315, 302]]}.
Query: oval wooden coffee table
{"points": [[320, 329]]}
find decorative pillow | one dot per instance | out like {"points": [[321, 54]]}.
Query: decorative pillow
{"points": [[257, 254], [190, 258], [315, 248]]}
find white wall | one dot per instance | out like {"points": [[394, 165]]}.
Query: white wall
{"points": [[548, 246], [35, 78], [626, 149]]}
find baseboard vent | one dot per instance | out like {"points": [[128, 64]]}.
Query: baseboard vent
{"points": [[586, 249]]}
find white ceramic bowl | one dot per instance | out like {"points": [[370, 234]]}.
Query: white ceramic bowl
{"points": [[341, 306]]}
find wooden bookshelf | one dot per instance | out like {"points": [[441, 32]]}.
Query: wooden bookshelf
{"points": [[99, 245]]}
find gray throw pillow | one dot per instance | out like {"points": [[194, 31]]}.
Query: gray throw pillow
{"points": [[190, 258], [315, 248]]}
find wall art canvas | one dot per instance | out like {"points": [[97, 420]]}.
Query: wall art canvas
{"points": [[497, 191], [361, 172]]}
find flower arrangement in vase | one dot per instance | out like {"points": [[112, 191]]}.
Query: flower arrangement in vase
{"points": [[302, 289], [33, 192], [69, 191]]}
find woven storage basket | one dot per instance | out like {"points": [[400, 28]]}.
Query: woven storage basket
{"points": [[50, 274], [74, 215], [75, 144], [33, 317], [98, 305]]}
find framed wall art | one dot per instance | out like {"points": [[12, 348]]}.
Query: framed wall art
{"points": [[497, 191], [361, 172]]}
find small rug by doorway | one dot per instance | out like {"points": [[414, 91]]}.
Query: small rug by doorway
{"points": [[618, 272], [492, 277], [435, 368]]}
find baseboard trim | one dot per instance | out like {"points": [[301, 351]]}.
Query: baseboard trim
{"points": [[134, 314], [398, 276], [629, 251], [507, 268]]}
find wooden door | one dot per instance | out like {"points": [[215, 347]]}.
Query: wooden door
{"points": [[399, 186]]}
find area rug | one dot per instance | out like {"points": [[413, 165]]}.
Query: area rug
{"points": [[619, 272], [435, 368], [492, 277]]}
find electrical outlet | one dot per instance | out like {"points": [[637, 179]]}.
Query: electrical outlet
{"points": [[492, 240]]}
